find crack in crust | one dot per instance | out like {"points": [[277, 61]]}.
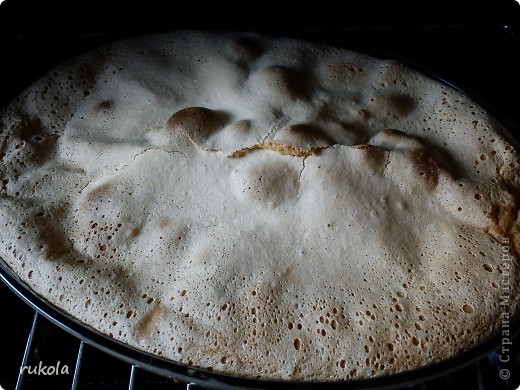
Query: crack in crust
{"points": [[278, 147]]}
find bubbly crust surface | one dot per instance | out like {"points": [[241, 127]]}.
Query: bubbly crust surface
{"points": [[262, 207]]}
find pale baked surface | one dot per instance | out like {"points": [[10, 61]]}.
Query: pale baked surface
{"points": [[262, 207]]}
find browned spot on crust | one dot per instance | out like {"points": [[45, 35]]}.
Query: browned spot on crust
{"points": [[374, 155], [287, 81], [505, 229], [511, 175], [397, 104], [302, 129], [514, 237], [402, 104], [502, 216], [191, 116], [195, 122], [241, 126], [98, 195], [303, 136], [150, 319], [426, 165], [104, 106]]}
